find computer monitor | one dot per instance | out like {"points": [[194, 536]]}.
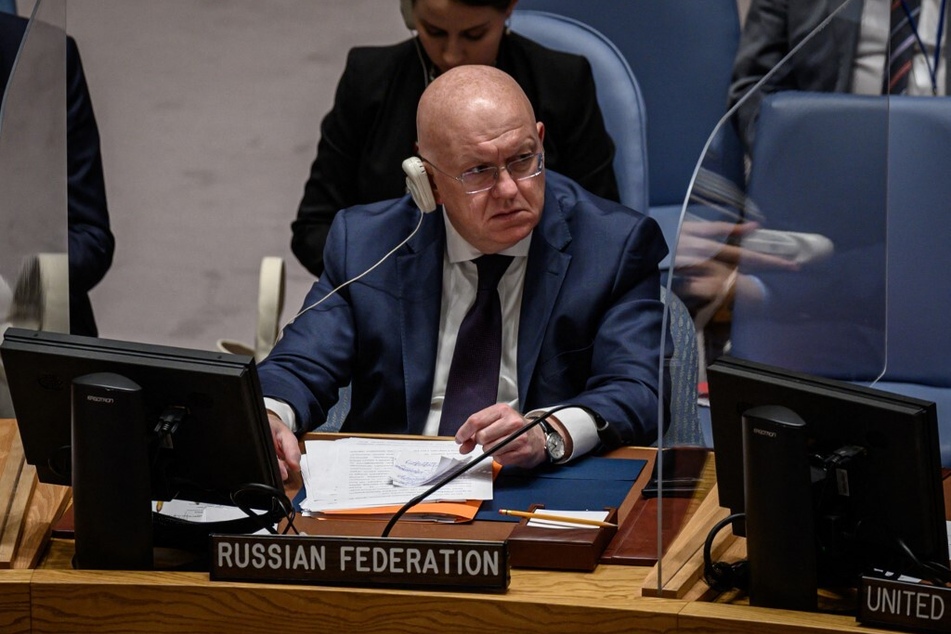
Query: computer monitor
{"points": [[127, 423], [834, 476]]}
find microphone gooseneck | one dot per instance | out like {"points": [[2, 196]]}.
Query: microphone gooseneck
{"points": [[459, 470]]}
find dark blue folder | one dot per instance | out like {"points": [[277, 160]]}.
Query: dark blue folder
{"points": [[589, 484]]}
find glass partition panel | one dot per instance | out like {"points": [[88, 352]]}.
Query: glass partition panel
{"points": [[918, 195], [780, 257], [33, 239]]}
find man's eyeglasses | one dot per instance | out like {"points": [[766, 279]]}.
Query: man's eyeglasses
{"points": [[482, 179]]}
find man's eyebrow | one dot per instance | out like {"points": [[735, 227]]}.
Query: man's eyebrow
{"points": [[528, 145]]}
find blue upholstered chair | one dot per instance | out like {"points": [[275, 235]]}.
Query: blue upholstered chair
{"points": [[683, 370], [8, 6], [681, 52], [870, 174], [819, 166], [619, 95], [919, 225]]}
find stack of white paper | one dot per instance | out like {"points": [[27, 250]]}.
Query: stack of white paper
{"points": [[354, 473]]}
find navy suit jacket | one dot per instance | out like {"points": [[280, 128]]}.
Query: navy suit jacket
{"points": [[590, 318], [91, 244]]}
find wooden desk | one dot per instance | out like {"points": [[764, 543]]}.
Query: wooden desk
{"points": [[15, 601], [606, 600], [55, 598]]}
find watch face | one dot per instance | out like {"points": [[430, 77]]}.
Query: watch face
{"points": [[555, 445]]}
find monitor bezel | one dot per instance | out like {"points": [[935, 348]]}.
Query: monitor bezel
{"points": [[41, 365], [914, 486]]}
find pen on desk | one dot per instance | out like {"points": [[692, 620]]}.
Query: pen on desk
{"points": [[557, 518]]}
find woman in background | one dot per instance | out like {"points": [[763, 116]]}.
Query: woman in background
{"points": [[372, 125]]}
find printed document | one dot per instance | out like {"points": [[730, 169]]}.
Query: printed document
{"points": [[354, 473]]}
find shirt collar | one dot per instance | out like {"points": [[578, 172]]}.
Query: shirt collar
{"points": [[461, 251]]}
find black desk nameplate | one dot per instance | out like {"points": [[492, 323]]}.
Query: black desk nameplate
{"points": [[434, 564], [901, 604]]}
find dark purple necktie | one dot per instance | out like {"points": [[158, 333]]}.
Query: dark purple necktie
{"points": [[473, 382], [901, 46]]}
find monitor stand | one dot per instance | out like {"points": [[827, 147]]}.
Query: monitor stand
{"points": [[780, 525], [112, 504]]}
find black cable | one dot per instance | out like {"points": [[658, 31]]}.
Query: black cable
{"points": [[721, 575], [280, 506], [930, 570], [876, 541], [458, 471]]}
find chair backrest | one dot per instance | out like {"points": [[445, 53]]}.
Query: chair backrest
{"points": [[919, 289], [338, 413], [619, 95], [919, 225], [681, 52], [819, 166], [683, 374], [870, 172], [271, 283]]}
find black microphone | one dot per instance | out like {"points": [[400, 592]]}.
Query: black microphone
{"points": [[457, 471]]}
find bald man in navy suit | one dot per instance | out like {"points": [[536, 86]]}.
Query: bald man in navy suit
{"points": [[581, 308]]}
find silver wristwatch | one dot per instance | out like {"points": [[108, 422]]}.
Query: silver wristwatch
{"points": [[554, 443]]}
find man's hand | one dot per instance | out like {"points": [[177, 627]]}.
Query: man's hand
{"points": [[703, 241], [285, 444], [495, 423]]}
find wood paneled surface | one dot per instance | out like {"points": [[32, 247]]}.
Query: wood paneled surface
{"points": [[15, 601], [55, 598]]}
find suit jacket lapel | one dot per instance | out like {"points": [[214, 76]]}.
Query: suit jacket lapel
{"points": [[544, 274], [420, 290]]}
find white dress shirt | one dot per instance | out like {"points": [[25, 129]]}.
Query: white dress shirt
{"points": [[869, 66], [459, 285]]}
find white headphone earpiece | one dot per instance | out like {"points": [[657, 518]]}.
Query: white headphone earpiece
{"points": [[417, 182]]}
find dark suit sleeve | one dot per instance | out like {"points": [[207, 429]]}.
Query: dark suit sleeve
{"points": [[763, 44], [602, 340], [332, 184], [91, 243], [623, 385]]}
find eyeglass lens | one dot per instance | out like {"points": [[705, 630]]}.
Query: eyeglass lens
{"points": [[485, 178]]}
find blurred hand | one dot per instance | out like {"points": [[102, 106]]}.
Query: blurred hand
{"points": [[494, 424], [707, 264], [701, 241], [285, 444]]}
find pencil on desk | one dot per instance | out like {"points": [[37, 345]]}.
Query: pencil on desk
{"points": [[550, 517]]}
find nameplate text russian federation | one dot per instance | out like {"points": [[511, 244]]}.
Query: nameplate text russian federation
{"points": [[433, 564]]}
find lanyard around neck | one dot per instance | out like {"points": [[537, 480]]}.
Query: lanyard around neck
{"points": [[932, 66]]}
